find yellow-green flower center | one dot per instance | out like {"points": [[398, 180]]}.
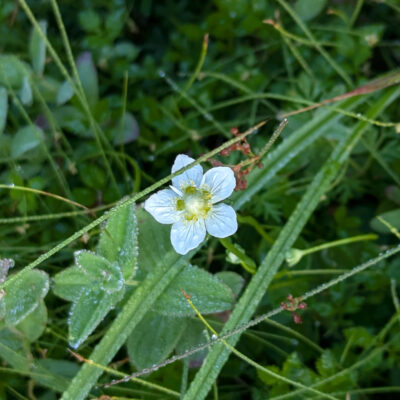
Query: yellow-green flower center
{"points": [[195, 203]]}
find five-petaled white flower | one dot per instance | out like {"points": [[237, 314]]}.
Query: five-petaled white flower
{"points": [[190, 205]]}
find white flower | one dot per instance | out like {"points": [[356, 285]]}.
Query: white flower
{"points": [[190, 205]]}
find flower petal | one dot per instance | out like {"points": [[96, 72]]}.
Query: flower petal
{"points": [[190, 177], [186, 235], [162, 206], [220, 181], [221, 221]]}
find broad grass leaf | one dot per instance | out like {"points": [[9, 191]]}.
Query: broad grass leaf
{"points": [[118, 240], [24, 295], [27, 138], [3, 108], [69, 283], [88, 76], [87, 312], [103, 274], [207, 292], [37, 48], [34, 324], [154, 339]]}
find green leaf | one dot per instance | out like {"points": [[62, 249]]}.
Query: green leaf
{"points": [[193, 336], [65, 93], [308, 9], [34, 324], [73, 120], [3, 108], [154, 339], [68, 284], [13, 350], [359, 337], [87, 312], [12, 71], [54, 374], [88, 76], [26, 139], [268, 379], [89, 20], [118, 240], [208, 294], [103, 274], [37, 48], [233, 280], [25, 94], [92, 175], [24, 295], [327, 364], [126, 131], [393, 217]]}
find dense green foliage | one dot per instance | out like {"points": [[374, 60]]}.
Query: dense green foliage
{"points": [[151, 80]]}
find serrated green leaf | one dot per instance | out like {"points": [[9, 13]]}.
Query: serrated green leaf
{"points": [[68, 284], [103, 274], [208, 294], [3, 108], [24, 294], [154, 339], [87, 312], [118, 240], [65, 93], [34, 324], [26, 139], [88, 76], [37, 48]]}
